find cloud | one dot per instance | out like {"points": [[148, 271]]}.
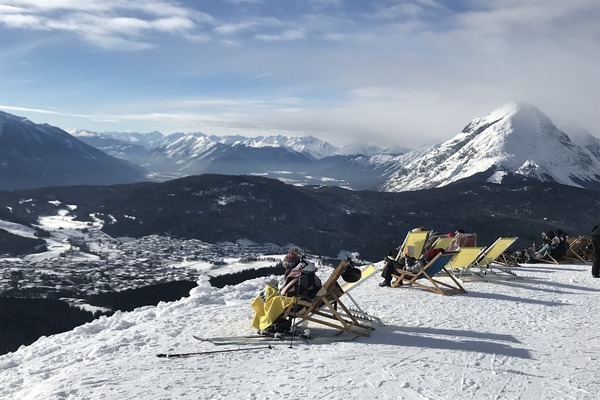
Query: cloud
{"points": [[111, 24], [234, 28], [408, 71], [285, 36], [41, 111]]}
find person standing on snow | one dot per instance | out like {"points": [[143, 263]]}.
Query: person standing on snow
{"points": [[596, 255]]}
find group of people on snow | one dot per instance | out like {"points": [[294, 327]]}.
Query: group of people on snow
{"points": [[299, 279]]}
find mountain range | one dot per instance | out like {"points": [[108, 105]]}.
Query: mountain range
{"points": [[36, 155], [515, 142], [296, 160]]}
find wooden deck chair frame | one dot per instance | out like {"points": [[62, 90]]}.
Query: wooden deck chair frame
{"points": [[576, 251], [365, 274], [327, 308], [493, 261], [413, 244], [548, 259], [426, 276]]}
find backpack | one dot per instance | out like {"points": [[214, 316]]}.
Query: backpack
{"points": [[302, 281]]}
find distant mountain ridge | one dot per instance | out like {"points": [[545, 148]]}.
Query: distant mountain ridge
{"points": [[296, 160], [37, 155], [516, 141]]}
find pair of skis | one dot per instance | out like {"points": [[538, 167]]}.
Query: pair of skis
{"points": [[241, 340], [268, 341]]}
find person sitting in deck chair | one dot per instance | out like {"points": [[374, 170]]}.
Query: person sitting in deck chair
{"points": [[392, 264], [424, 259], [290, 261], [552, 245], [407, 263], [300, 281]]}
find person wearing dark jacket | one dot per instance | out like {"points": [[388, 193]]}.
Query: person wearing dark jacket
{"points": [[595, 237], [392, 263]]}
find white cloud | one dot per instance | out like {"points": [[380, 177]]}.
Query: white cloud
{"points": [[113, 24], [234, 28], [285, 36], [411, 71]]}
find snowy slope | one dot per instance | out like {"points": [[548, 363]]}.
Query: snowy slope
{"points": [[516, 138], [582, 137], [531, 338], [307, 145]]}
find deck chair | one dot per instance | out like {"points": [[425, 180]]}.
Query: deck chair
{"points": [[366, 273], [462, 240], [465, 258], [327, 308], [493, 262], [442, 242], [426, 276], [580, 249], [550, 259], [413, 244]]}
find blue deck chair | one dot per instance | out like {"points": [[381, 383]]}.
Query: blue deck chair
{"points": [[425, 277]]}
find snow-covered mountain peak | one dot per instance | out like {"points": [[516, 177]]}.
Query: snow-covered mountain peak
{"points": [[516, 138], [307, 145], [81, 133]]}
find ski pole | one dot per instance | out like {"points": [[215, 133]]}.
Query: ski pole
{"points": [[199, 353], [296, 304]]}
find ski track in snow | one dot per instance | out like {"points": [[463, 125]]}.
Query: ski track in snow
{"points": [[530, 338]]}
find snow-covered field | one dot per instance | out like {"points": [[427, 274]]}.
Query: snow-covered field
{"points": [[531, 338]]}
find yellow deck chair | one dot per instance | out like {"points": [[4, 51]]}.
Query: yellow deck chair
{"points": [[365, 274], [492, 262], [327, 308], [413, 244], [442, 242], [464, 260]]}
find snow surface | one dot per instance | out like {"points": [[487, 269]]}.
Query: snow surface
{"points": [[531, 338]]}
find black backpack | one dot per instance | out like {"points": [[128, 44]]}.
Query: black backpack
{"points": [[302, 281]]}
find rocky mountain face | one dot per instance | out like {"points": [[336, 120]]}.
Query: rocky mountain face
{"points": [[516, 141], [35, 155]]}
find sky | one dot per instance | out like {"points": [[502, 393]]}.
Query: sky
{"points": [[402, 72]]}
